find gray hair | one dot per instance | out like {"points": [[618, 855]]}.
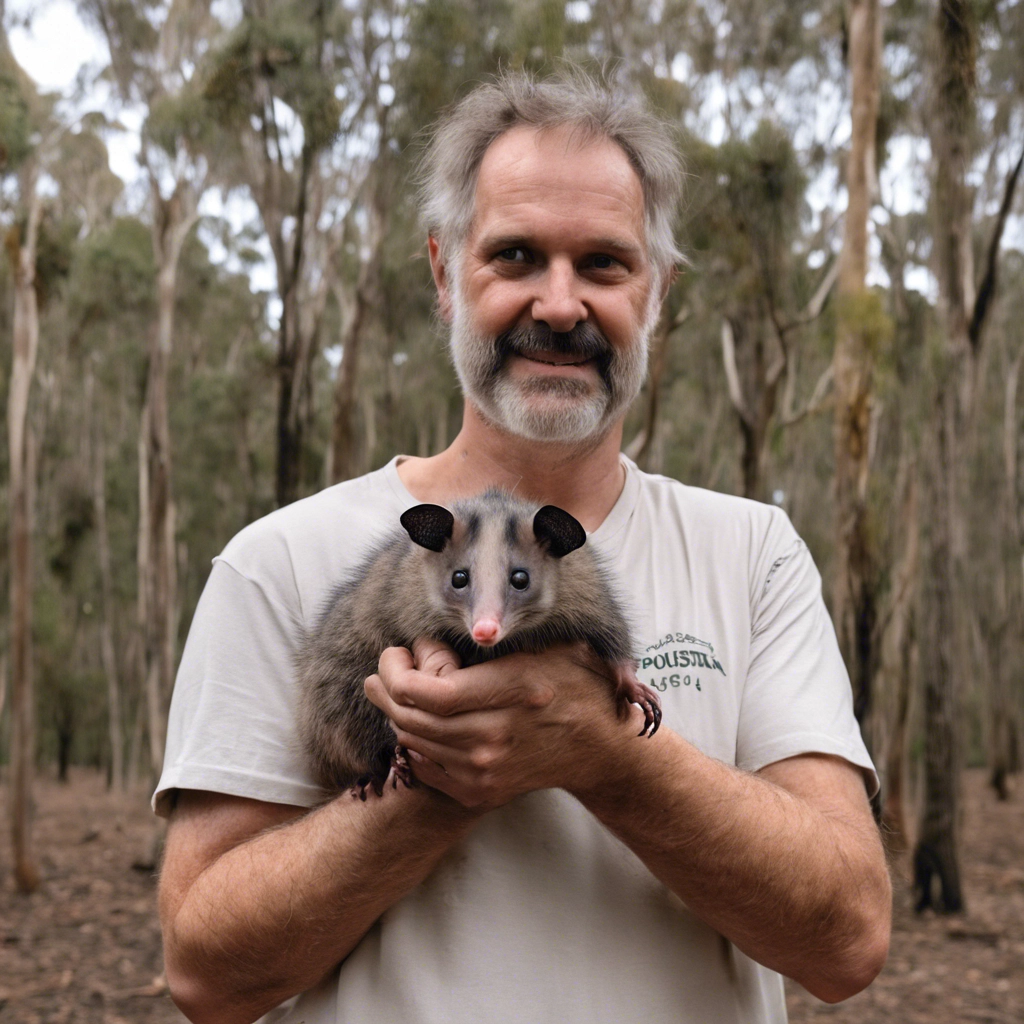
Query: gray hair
{"points": [[574, 100]]}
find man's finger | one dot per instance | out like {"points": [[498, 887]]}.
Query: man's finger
{"points": [[497, 684], [377, 693], [396, 663], [456, 731], [432, 774], [395, 659], [434, 657]]}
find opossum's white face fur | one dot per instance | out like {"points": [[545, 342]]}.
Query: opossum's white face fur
{"points": [[496, 573]]}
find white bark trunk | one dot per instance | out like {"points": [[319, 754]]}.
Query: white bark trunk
{"points": [[107, 650], [22, 472]]}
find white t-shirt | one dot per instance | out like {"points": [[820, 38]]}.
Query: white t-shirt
{"points": [[541, 915]]}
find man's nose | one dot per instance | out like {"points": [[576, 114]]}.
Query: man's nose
{"points": [[558, 302]]}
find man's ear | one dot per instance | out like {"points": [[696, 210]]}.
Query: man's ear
{"points": [[440, 272]]}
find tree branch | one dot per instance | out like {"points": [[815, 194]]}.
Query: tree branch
{"points": [[1010, 442], [732, 375], [906, 571], [987, 288], [813, 309], [815, 403]]}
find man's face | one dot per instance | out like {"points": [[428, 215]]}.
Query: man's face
{"points": [[553, 300]]}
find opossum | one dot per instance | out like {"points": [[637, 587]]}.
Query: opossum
{"points": [[493, 576]]}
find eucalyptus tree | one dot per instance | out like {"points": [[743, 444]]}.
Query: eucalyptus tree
{"points": [[860, 321], [154, 51], [272, 87], [749, 196], [965, 304], [1001, 623], [72, 463], [1004, 632], [22, 110], [373, 48]]}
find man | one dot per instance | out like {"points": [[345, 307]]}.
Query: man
{"points": [[550, 865]]}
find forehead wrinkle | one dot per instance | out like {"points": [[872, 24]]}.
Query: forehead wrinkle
{"points": [[509, 177], [509, 188]]}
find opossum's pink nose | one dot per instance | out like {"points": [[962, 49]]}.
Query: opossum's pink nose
{"points": [[486, 631]]}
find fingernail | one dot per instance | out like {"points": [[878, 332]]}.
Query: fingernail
{"points": [[418, 758]]}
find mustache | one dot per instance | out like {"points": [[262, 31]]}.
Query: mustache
{"points": [[584, 342]]}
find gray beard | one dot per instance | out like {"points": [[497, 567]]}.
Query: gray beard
{"points": [[567, 411]]}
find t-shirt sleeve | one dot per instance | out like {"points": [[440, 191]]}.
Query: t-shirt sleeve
{"points": [[232, 724], [797, 696]]}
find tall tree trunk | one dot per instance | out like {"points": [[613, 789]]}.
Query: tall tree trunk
{"points": [[344, 454], [136, 657], [294, 351], [854, 599], [343, 426], [749, 414], [936, 854], [289, 423], [107, 650], [143, 573], [896, 642], [1004, 725], [951, 122], [173, 218], [22, 473]]}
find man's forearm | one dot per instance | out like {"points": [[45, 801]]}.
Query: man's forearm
{"points": [[270, 917], [796, 888]]}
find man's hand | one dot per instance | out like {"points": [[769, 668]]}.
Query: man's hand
{"points": [[485, 734]]}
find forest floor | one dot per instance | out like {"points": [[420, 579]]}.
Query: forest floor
{"points": [[85, 948]]}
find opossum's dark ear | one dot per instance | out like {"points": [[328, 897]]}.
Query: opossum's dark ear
{"points": [[558, 531], [430, 526]]}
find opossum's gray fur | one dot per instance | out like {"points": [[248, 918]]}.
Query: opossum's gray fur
{"points": [[391, 600]]}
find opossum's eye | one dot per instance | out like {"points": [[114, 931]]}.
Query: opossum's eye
{"points": [[520, 579], [460, 579]]}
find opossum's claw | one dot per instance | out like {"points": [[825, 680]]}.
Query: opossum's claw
{"points": [[630, 690], [367, 782], [652, 716], [400, 770], [360, 786], [656, 711]]}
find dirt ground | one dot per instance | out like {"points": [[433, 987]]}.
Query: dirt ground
{"points": [[85, 949]]}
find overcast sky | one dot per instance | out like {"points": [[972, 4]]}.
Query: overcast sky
{"points": [[57, 45]]}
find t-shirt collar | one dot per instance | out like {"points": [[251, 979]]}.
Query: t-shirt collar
{"points": [[616, 520]]}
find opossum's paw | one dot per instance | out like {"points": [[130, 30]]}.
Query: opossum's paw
{"points": [[400, 770], [629, 690], [363, 784]]}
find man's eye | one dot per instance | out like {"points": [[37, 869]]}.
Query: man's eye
{"points": [[602, 262], [513, 255]]}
